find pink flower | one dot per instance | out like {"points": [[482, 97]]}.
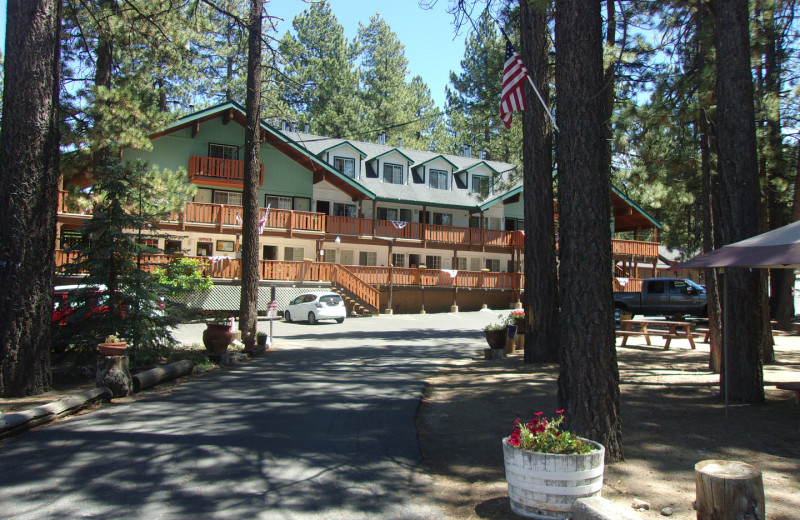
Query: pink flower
{"points": [[559, 412], [537, 414]]}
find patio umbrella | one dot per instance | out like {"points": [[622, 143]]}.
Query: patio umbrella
{"points": [[776, 249]]}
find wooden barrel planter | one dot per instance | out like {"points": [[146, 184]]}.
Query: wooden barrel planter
{"points": [[545, 485]]}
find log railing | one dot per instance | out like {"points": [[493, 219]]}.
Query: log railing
{"points": [[635, 248]]}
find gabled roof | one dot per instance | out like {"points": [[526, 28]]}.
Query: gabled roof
{"points": [[233, 111], [626, 220], [393, 150], [343, 143], [442, 157], [472, 167]]}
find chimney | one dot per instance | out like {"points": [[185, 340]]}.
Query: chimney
{"points": [[306, 128], [482, 154], [382, 138], [467, 150], [283, 125], [399, 142]]}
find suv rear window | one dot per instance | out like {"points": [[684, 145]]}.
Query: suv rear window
{"points": [[331, 300]]}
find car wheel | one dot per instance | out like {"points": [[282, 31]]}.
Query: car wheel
{"points": [[339, 320], [287, 316], [312, 318]]}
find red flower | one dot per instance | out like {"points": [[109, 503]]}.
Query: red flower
{"points": [[537, 414], [559, 412]]}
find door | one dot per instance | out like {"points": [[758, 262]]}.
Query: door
{"points": [[270, 253], [323, 206], [346, 257], [413, 260], [655, 298]]}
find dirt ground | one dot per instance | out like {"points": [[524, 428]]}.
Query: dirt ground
{"points": [[672, 419]]}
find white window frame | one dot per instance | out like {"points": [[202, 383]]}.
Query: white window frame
{"points": [[342, 163], [480, 179], [223, 151], [341, 209], [395, 175], [367, 258], [441, 179], [229, 198], [277, 202], [493, 265], [461, 263], [329, 256], [293, 254], [398, 259], [433, 261]]}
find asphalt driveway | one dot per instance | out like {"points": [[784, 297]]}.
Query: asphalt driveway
{"points": [[320, 427]]}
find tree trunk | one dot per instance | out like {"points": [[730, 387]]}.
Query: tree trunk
{"points": [[738, 198], [28, 194], [102, 80], [588, 384], [248, 306], [541, 279]]}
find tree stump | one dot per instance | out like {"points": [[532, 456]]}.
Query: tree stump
{"points": [[494, 353], [113, 372], [729, 489]]}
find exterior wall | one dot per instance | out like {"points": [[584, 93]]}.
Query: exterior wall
{"points": [[406, 300]]}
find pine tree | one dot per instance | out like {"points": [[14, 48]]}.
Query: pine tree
{"points": [[28, 194], [321, 80]]}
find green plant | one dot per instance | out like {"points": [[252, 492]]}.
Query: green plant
{"points": [[515, 317], [261, 336], [111, 338], [542, 435], [495, 326]]}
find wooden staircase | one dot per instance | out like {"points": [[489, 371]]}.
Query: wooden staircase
{"points": [[359, 297]]}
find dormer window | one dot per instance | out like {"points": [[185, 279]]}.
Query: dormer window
{"points": [[438, 179], [480, 185], [346, 165], [393, 173]]}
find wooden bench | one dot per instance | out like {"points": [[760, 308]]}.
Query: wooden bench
{"points": [[625, 334], [793, 386]]}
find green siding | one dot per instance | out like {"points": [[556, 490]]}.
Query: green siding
{"points": [[515, 210], [282, 175]]}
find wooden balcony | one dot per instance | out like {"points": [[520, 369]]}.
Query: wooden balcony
{"points": [[223, 218], [219, 172]]}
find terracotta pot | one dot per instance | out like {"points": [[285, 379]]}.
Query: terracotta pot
{"points": [[217, 337], [112, 349], [496, 338]]}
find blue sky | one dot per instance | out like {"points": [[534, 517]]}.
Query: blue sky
{"points": [[428, 35]]}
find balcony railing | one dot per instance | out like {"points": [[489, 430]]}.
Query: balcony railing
{"points": [[214, 170], [222, 215]]}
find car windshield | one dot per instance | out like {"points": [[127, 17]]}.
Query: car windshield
{"points": [[330, 299], [697, 286]]}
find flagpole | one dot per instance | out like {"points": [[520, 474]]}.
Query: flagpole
{"points": [[547, 110]]}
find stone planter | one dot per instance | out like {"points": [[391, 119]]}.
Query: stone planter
{"points": [[545, 486], [217, 337], [496, 338]]}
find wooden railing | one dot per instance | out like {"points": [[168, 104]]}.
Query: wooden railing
{"points": [[356, 286], [214, 169], [635, 248], [225, 215], [633, 285]]}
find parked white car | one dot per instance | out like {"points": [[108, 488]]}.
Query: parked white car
{"points": [[315, 306]]}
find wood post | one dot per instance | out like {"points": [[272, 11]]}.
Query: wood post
{"points": [[113, 372], [728, 489], [157, 375]]}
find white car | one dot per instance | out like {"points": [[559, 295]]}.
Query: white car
{"points": [[315, 306]]}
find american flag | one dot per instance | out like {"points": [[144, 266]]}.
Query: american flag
{"points": [[514, 75], [263, 222], [398, 224]]}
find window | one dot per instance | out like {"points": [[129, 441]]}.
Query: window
{"points": [[433, 262], [225, 246], [440, 219], [231, 198], [493, 264], [367, 258], [475, 264], [302, 204], [394, 214], [223, 151], [275, 202], [461, 264], [398, 259], [393, 173], [204, 249], [438, 179], [480, 185], [293, 254], [329, 256], [344, 210], [172, 247], [346, 165]]}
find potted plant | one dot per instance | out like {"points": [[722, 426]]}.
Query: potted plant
{"points": [[496, 335], [548, 469], [217, 335], [112, 346], [518, 319], [261, 339]]}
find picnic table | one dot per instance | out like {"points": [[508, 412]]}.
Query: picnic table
{"points": [[675, 330]]}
